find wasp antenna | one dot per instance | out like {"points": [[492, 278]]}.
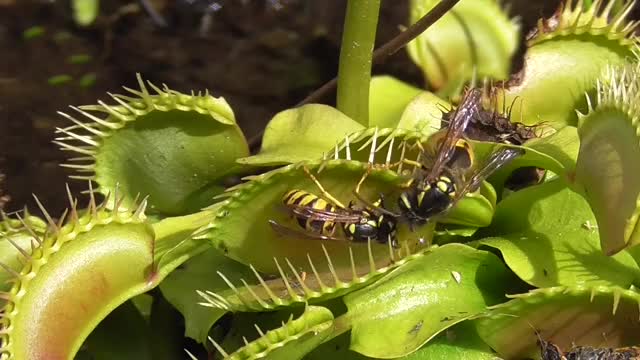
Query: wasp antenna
{"points": [[323, 287], [266, 288], [332, 270], [218, 347]]}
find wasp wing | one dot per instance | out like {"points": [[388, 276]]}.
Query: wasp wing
{"points": [[325, 215], [287, 231], [498, 159], [468, 108]]}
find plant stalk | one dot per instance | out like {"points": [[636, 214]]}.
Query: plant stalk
{"points": [[379, 56], [356, 53]]}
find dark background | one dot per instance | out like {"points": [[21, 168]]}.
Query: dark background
{"points": [[261, 55]]}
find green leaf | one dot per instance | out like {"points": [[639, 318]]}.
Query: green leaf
{"points": [[178, 149], [59, 79], [475, 38], [290, 340], [565, 58], [544, 237], [423, 298], [200, 273], [459, 342], [304, 133], [85, 277], [85, 11], [336, 349], [608, 170], [33, 32], [10, 256], [423, 114], [388, 98], [567, 316]]}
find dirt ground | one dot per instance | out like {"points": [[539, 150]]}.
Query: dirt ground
{"points": [[261, 55]]}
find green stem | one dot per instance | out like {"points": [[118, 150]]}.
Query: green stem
{"points": [[354, 72]]}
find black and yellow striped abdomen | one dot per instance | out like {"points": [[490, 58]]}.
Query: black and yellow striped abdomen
{"points": [[304, 199]]}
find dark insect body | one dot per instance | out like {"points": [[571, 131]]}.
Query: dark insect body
{"points": [[320, 219], [551, 351], [493, 125], [439, 185], [496, 126]]}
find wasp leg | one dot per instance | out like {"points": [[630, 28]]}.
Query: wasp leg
{"points": [[324, 192], [368, 203]]}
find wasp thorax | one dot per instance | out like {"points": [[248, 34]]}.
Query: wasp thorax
{"points": [[427, 199]]}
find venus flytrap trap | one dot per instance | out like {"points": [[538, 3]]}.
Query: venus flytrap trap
{"points": [[610, 143], [555, 60], [476, 39], [167, 136], [603, 316]]}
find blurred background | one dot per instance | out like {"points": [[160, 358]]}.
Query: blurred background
{"points": [[261, 55]]}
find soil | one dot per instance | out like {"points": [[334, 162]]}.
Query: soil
{"points": [[261, 55]]}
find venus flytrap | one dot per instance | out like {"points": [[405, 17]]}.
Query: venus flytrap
{"points": [[213, 251]]}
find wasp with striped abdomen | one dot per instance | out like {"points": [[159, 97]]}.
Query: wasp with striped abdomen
{"points": [[324, 218]]}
